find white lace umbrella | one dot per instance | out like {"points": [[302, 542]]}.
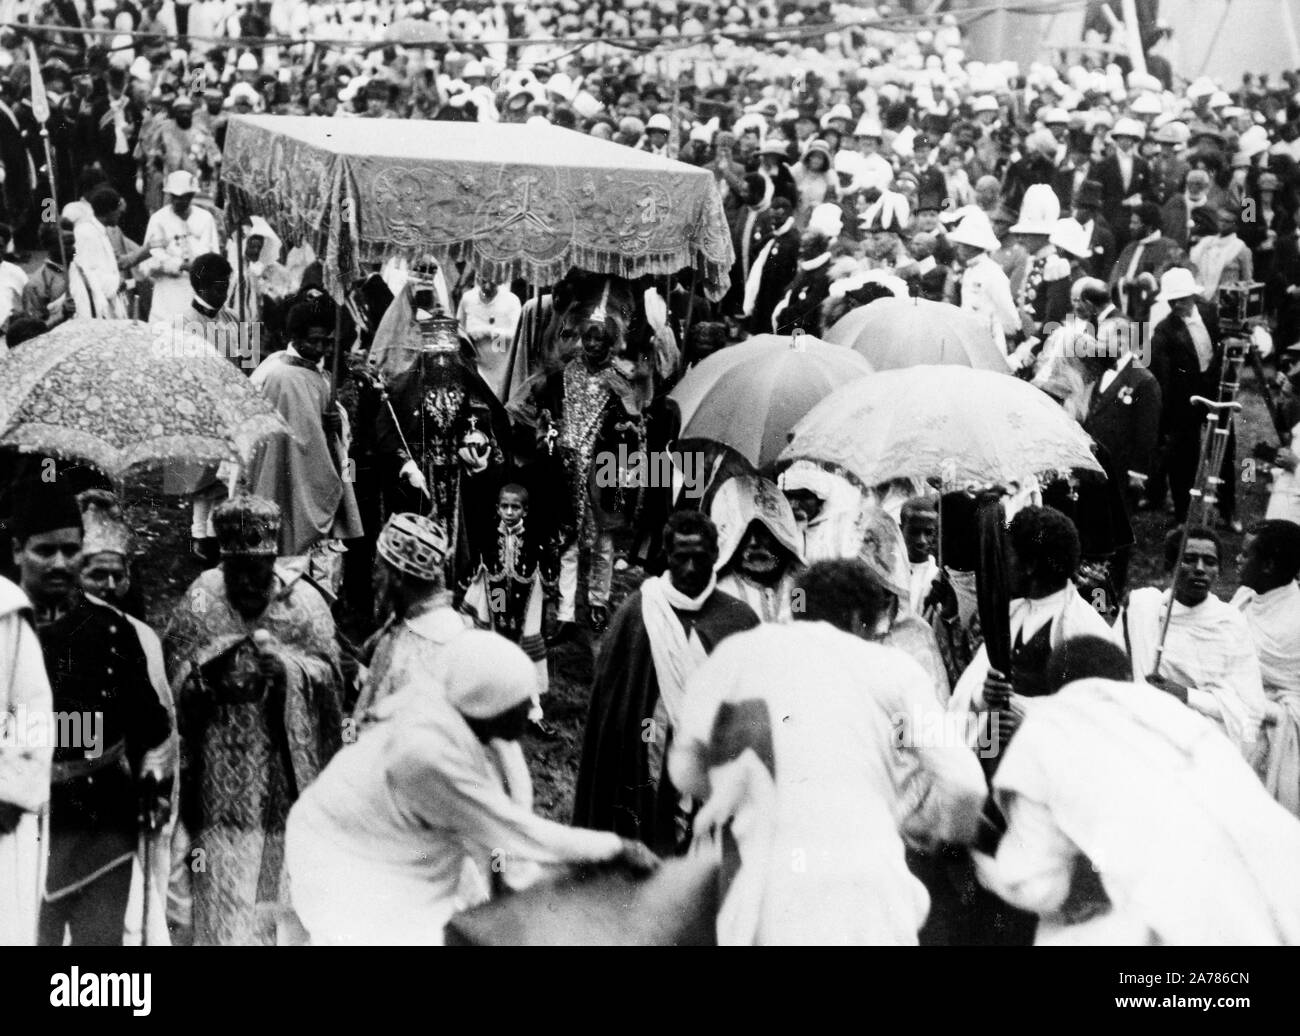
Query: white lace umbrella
{"points": [[957, 424], [894, 333]]}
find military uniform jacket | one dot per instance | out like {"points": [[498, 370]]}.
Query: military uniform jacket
{"points": [[101, 686]]}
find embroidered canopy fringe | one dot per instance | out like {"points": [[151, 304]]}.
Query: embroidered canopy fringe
{"points": [[512, 201]]}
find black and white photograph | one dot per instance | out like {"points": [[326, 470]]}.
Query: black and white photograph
{"points": [[654, 473]]}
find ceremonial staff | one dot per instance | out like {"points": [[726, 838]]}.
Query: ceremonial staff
{"points": [[41, 109]]}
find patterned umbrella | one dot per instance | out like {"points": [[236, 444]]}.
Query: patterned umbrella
{"points": [[893, 333], [123, 396], [960, 425], [750, 396]]}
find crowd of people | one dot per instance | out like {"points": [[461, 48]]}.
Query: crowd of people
{"points": [[324, 743]]}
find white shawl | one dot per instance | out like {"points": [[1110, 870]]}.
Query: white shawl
{"points": [[1183, 837], [1274, 620], [24, 770], [1209, 651], [675, 654]]}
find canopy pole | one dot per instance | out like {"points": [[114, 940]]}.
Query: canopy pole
{"points": [[338, 349], [239, 258], [690, 307], [537, 323], [938, 536]]}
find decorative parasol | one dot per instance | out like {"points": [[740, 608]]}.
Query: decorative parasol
{"points": [[750, 396], [893, 333], [956, 424], [512, 201], [122, 396]]}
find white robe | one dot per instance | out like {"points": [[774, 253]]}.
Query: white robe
{"points": [[94, 280], [1274, 621], [1189, 848], [24, 771], [171, 242], [820, 789], [921, 575], [1209, 651], [404, 828], [770, 603], [161, 850], [986, 292], [1284, 498]]}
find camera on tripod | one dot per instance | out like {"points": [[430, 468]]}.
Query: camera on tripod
{"points": [[1241, 307]]}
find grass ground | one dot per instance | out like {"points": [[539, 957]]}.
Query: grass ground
{"points": [[166, 568]]}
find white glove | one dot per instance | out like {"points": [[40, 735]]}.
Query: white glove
{"points": [[411, 472]]}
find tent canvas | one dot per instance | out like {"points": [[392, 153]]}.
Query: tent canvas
{"points": [[513, 201]]}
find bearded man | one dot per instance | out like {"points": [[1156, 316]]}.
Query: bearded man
{"points": [[443, 442], [255, 673], [760, 548]]}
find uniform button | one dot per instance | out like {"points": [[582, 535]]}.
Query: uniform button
{"points": [[109, 670], [112, 629]]}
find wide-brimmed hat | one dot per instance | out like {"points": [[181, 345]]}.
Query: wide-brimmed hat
{"points": [[1253, 142], [976, 230], [818, 147], [1177, 283], [868, 127], [1039, 211], [838, 111], [1147, 104], [180, 183], [1128, 128], [775, 148], [1173, 132], [1069, 236]]}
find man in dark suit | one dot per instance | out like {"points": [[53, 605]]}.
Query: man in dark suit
{"points": [[930, 180], [1087, 210], [1125, 177], [1186, 359], [1135, 275], [751, 226], [1124, 401], [773, 269], [1072, 174], [1176, 214]]}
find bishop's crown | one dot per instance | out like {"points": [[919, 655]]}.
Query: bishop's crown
{"points": [[247, 526], [439, 335]]}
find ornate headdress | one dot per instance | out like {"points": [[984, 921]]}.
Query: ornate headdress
{"points": [[439, 335], [247, 526], [415, 545], [106, 531]]}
